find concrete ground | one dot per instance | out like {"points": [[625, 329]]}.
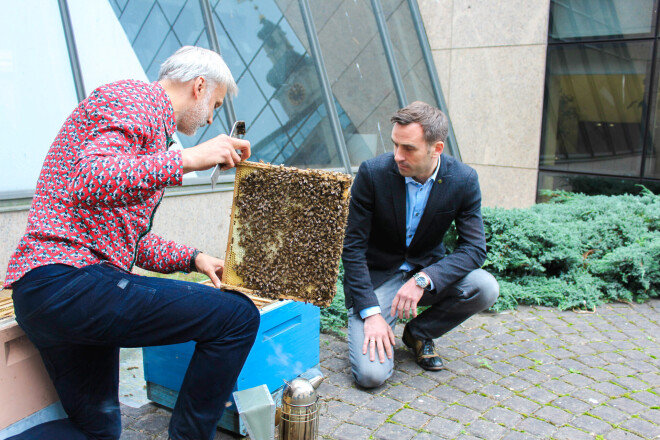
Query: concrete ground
{"points": [[535, 373]]}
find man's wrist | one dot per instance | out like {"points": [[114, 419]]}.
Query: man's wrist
{"points": [[369, 311], [191, 264]]}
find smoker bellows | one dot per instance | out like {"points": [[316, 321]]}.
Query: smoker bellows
{"points": [[286, 233]]}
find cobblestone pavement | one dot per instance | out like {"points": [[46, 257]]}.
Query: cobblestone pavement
{"points": [[535, 373]]}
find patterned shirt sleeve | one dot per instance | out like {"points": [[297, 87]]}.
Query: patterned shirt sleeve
{"points": [[159, 255]]}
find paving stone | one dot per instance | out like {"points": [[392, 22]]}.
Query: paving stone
{"points": [[402, 393], [503, 416], [537, 427], [513, 383], [477, 402], [152, 423], [421, 383], [444, 427], [620, 434], [340, 410], [447, 393], [642, 427], [465, 384], [556, 416], [539, 395], [427, 436], [609, 414], [461, 414], [496, 392], [428, 404], [569, 433], [627, 405], [390, 431], [484, 375], [571, 404], [411, 418], [336, 364], [486, 429], [591, 424], [590, 397], [398, 377], [519, 436], [354, 396], [368, 418], [558, 386], [652, 415], [608, 389], [348, 431], [577, 380], [630, 383], [128, 434], [384, 404], [521, 362], [328, 424], [598, 374], [503, 369], [521, 405]]}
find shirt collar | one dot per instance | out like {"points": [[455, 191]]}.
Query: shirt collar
{"points": [[432, 178], [168, 117]]}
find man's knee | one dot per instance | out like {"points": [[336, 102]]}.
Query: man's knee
{"points": [[488, 288], [372, 374]]}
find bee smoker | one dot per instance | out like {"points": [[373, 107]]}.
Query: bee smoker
{"points": [[299, 415]]}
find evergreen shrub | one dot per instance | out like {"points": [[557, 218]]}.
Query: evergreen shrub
{"points": [[572, 252]]}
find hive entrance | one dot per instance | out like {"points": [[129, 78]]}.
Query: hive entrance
{"points": [[286, 232]]}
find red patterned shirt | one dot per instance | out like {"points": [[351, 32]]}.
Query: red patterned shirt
{"points": [[101, 183]]}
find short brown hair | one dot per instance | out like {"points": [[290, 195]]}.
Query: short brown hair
{"points": [[433, 121]]}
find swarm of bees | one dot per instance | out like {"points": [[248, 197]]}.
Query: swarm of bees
{"points": [[287, 232]]}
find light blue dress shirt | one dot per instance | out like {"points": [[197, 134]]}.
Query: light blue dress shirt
{"points": [[417, 194]]}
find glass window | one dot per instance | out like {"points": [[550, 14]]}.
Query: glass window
{"points": [[603, 18], [595, 107], [358, 73], [652, 160], [593, 185], [33, 44], [408, 52]]}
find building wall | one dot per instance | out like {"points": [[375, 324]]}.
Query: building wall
{"points": [[490, 56]]}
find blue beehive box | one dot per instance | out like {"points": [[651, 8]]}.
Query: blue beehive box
{"points": [[287, 345]]}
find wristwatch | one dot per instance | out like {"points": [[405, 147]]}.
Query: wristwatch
{"points": [[421, 280]]}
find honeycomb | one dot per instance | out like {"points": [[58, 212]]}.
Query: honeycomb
{"points": [[286, 232]]}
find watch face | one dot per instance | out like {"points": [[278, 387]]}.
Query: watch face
{"points": [[420, 280]]}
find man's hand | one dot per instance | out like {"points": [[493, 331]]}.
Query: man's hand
{"points": [[406, 299], [377, 336], [219, 150], [210, 266]]}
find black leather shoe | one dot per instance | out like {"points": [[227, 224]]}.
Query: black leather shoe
{"points": [[424, 351]]}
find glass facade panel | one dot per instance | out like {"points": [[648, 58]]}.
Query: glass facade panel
{"points": [[358, 73], [604, 18], [594, 117], [408, 52], [29, 124], [593, 185], [652, 159]]}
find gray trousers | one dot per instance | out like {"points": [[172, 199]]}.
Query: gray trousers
{"points": [[476, 292]]}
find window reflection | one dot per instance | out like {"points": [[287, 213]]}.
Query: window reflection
{"points": [[603, 18], [594, 118]]}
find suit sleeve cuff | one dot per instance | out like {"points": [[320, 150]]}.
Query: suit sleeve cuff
{"points": [[369, 311]]}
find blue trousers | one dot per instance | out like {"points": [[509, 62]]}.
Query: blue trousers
{"points": [[78, 319]]}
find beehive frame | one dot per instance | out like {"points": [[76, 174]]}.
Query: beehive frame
{"points": [[232, 279]]}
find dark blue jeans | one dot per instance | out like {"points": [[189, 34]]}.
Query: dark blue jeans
{"points": [[78, 319]]}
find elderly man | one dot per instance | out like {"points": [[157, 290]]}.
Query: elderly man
{"points": [[73, 290], [402, 204]]}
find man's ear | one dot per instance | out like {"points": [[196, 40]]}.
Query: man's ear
{"points": [[199, 85], [438, 148]]}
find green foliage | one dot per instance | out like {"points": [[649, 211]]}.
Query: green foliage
{"points": [[575, 251], [335, 316]]}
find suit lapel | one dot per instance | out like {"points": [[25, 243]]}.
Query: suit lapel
{"points": [[435, 201], [398, 185]]}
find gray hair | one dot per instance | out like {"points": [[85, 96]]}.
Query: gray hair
{"points": [[190, 62], [433, 121]]}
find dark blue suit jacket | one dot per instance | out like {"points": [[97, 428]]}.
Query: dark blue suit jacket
{"points": [[375, 242]]}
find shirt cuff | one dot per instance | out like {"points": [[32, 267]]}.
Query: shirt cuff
{"points": [[369, 311]]}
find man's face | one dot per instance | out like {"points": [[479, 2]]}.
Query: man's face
{"points": [[201, 112], [414, 157]]}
